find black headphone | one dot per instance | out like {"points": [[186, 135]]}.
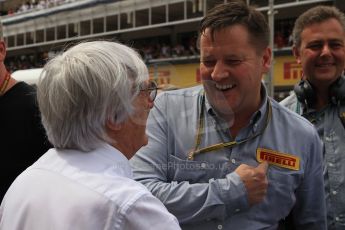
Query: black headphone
{"points": [[306, 94]]}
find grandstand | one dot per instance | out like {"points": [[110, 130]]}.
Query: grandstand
{"points": [[163, 31]]}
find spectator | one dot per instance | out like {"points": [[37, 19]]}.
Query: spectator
{"points": [[279, 40], [23, 139], [319, 46], [178, 50]]}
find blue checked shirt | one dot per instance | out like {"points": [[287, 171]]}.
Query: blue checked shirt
{"points": [[205, 192], [332, 133]]}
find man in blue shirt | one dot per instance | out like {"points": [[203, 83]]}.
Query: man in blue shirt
{"points": [[319, 46], [223, 155]]}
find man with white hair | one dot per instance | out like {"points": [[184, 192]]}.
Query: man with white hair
{"points": [[95, 99]]}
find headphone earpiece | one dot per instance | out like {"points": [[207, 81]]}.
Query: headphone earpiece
{"points": [[337, 91], [305, 92]]}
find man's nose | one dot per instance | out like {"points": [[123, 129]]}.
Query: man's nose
{"points": [[325, 50], [219, 71]]}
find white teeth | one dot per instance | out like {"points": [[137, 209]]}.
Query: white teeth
{"points": [[325, 64], [225, 87]]}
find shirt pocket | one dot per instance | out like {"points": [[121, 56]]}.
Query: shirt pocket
{"points": [[281, 191], [186, 170]]}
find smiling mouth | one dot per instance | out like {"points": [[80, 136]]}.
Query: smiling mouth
{"points": [[324, 65], [225, 87]]}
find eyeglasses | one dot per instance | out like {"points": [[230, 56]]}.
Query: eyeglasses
{"points": [[151, 88]]}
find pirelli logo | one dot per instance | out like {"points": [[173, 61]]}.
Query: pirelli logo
{"points": [[279, 159]]}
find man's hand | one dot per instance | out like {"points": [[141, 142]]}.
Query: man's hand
{"points": [[255, 180]]}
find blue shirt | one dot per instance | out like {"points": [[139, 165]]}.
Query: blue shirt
{"points": [[332, 133], [206, 193]]}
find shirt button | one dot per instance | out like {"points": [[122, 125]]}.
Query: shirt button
{"points": [[330, 164], [334, 192], [233, 161], [337, 219], [237, 210], [220, 226], [203, 165]]}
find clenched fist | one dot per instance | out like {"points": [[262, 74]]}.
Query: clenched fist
{"points": [[255, 181]]}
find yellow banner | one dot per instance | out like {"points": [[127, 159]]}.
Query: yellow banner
{"points": [[181, 75], [286, 72]]}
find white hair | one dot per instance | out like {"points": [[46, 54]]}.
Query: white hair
{"points": [[84, 87]]}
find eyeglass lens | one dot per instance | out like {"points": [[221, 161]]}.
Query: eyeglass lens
{"points": [[153, 90]]}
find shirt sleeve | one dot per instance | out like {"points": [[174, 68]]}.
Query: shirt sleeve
{"points": [[189, 202], [149, 213], [309, 211]]}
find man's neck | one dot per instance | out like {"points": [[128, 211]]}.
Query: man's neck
{"points": [[240, 123], [322, 98], [2, 78], [6, 81], [240, 120]]}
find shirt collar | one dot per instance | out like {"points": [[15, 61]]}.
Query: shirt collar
{"points": [[116, 158], [104, 159]]}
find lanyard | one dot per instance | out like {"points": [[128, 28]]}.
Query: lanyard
{"points": [[219, 146]]}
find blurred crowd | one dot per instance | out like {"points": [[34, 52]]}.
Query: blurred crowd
{"points": [[159, 50], [149, 51], [25, 62], [33, 5]]}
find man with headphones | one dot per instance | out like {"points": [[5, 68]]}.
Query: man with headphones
{"points": [[319, 46]]}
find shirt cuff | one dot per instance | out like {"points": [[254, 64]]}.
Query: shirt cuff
{"points": [[233, 193]]}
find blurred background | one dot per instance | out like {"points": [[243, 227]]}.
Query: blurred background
{"points": [[163, 31]]}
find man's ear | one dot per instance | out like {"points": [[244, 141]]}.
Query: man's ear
{"points": [[113, 126], [297, 54], [266, 59]]}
